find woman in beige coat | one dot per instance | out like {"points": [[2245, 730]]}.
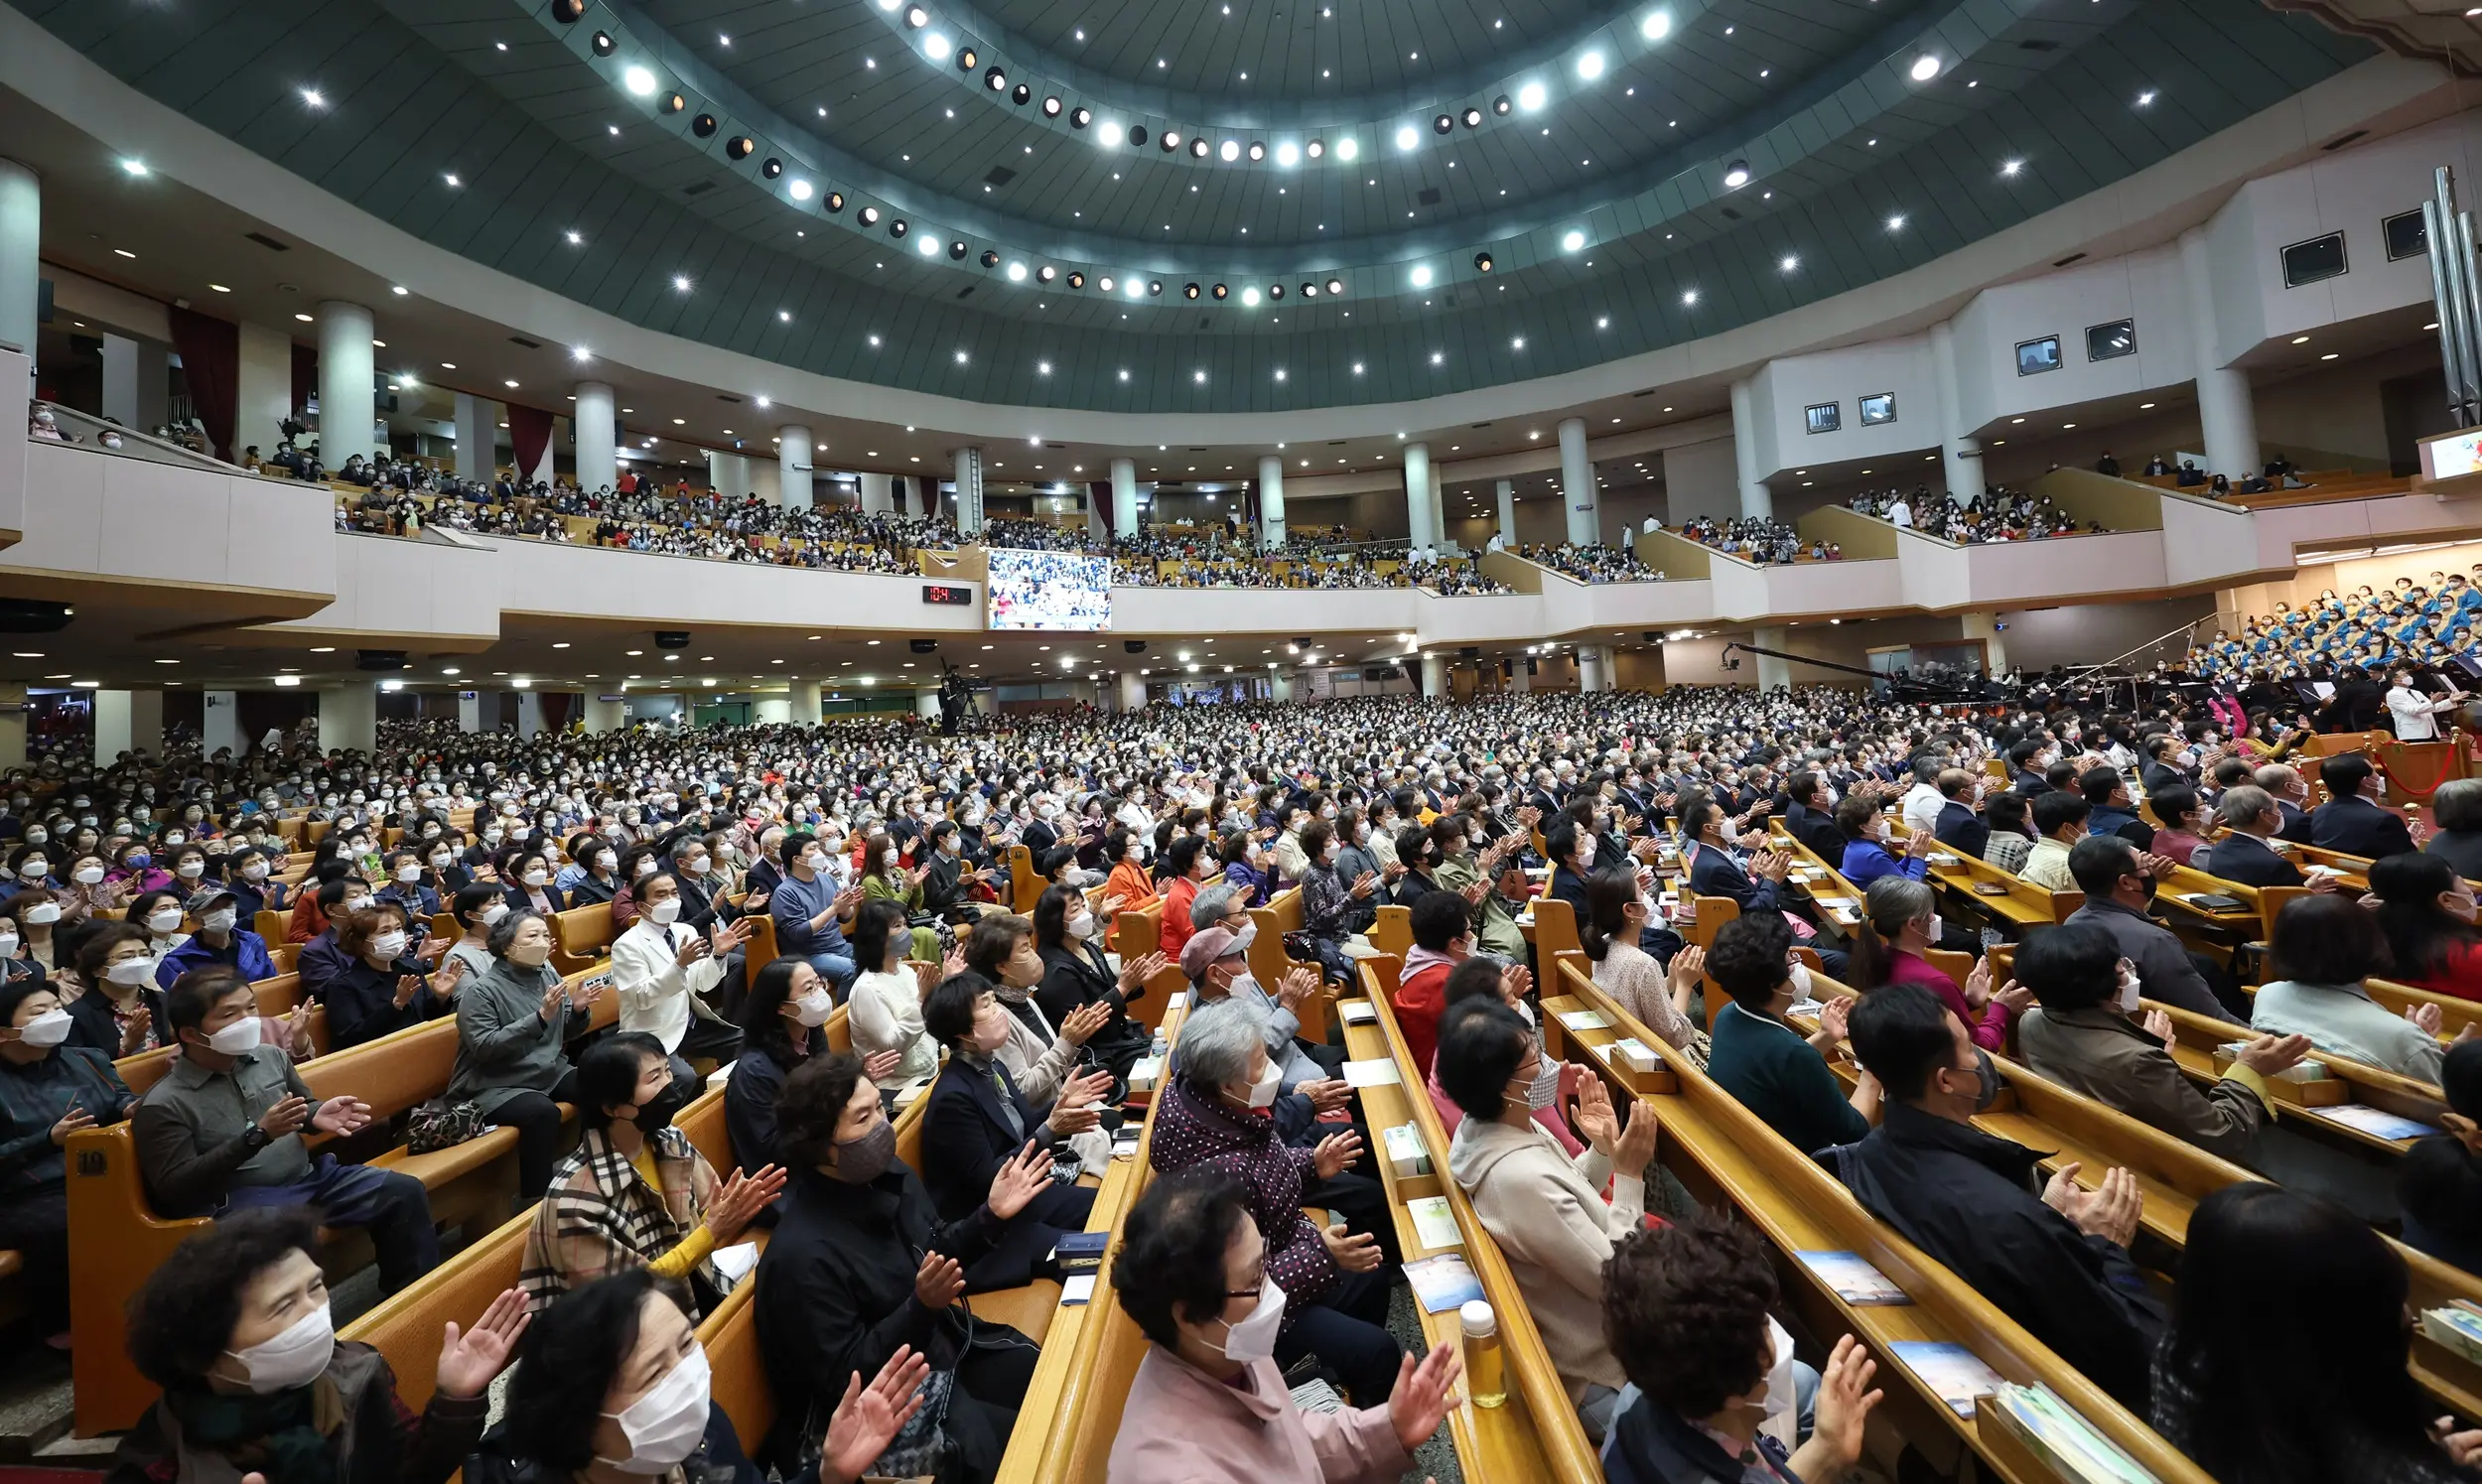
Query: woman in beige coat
{"points": [[1545, 1209]]}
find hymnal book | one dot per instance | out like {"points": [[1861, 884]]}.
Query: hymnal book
{"points": [[1636, 1055], [1379, 1071], [1853, 1280], [2374, 1122], [1078, 1290], [1357, 1011], [2055, 1435], [1957, 1374], [1585, 1020], [1442, 1283], [1407, 1154], [2457, 1328], [1080, 1251], [1433, 1224]]}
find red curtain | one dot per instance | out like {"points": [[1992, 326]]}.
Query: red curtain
{"points": [[1099, 500], [210, 364], [530, 434], [304, 377]]}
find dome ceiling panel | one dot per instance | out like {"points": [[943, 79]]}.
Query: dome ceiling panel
{"points": [[1838, 139]]}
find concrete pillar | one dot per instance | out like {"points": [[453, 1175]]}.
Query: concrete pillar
{"points": [[771, 711], [1438, 508], [129, 721], [1772, 672], [728, 473], [1985, 627], [1590, 677], [477, 434], [349, 716], [21, 265], [1576, 484], [1125, 520], [263, 390], [222, 728], [13, 725], [1519, 680], [969, 473], [597, 431], [1270, 500], [2225, 413], [1280, 684], [136, 382], [1508, 513], [1434, 676], [470, 711], [926, 705], [604, 716], [792, 466], [806, 702], [1418, 508], [1756, 500], [529, 713], [349, 412], [1960, 455], [1133, 691], [876, 497]]}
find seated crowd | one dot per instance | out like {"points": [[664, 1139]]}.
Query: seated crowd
{"points": [[2280, 474], [1592, 563], [1997, 513], [875, 855], [1761, 539]]}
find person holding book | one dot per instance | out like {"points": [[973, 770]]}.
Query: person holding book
{"points": [[2255, 1391]]}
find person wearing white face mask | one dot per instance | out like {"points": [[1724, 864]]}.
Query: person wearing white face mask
{"points": [[513, 1026], [121, 1013], [218, 940], [665, 971], [409, 885], [48, 1090], [223, 1130], [2084, 1035], [1776, 1072], [385, 989], [236, 1329], [1208, 1402]]}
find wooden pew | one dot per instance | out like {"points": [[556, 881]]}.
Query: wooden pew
{"points": [[2198, 1037], [1268, 963], [2019, 902], [1138, 930], [1730, 1159], [1024, 886], [580, 935]]}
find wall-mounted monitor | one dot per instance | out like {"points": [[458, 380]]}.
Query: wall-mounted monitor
{"points": [[1049, 590], [2034, 357], [1824, 417], [2409, 237], [2315, 261], [1878, 409], [2112, 341]]}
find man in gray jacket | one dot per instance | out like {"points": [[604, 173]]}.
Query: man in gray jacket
{"points": [[2081, 1036], [2119, 884]]}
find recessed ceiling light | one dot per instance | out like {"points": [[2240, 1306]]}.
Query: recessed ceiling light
{"points": [[134, 167], [1925, 67], [1895, 224], [1572, 240], [1736, 174], [1532, 96], [310, 95], [1420, 276], [2011, 167]]}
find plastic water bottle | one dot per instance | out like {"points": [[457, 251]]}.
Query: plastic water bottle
{"points": [[1485, 1380]]}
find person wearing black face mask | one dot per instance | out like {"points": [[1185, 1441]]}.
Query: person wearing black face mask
{"points": [[2057, 1261], [860, 1265], [635, 1192]]}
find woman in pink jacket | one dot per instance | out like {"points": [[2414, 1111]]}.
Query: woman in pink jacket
{"points": [[1208, 1405], [1899, 924]]}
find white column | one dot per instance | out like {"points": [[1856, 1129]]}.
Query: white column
{"points": [[604, 716], [1985, 627], [1520, 680], [262, 390], [876, 498], [806, 702], [599, 459], [1960, 455], [349, 716], [1438, 509], [347, 409], [727, 473], [1576, 484], [13, 726], [136, 382], [1773, 673], [2225, 413], [926, 705], [529, 713], [1280, 684], [1133, 691], [1270, 500], [1756, 500], [1434, 676], [222, 728], [1508, 513], [969, 475], [21, 265], [478, 435], [1125, 521], [771, 711], [792, 466], [1421, 532], [1591, 669]]}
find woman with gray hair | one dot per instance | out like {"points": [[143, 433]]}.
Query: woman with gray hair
{"points": [[513, 1026], [1217, 1113], [1900, 925], [2456, 826]]}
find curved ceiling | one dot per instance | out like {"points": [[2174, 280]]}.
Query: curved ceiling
{"points": [[1610, 212]]}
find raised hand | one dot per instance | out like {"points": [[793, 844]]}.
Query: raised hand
{"points": [[134, 1035], [1336, 1154], [71, 1121], [2160, 1025], [1083, 1021], [1298, 985], [938, 1281], [1136, 972], [869, 1419], [1835, 1014], [954, 965], [2014, 999], [742, 1199], [1595, 1118], [1354, 1252], [1637, 1146], [1843, 1404], [2426, 1017], [285, 1116], [1326, 1094], [693, 948], [1515, 982], [1019, 1181], [446, 978], [1977, 984], [2269, 1054], [555, 1001], [882, 1064], [1420, 1402], [1688, 967], [468, 1360]]}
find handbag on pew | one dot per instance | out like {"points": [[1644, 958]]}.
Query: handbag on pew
{"points": [[921, 1453], [441, 1125]]}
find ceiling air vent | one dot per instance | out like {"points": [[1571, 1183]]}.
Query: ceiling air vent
{"points": [[967, 291], [1730, 214], [1429, 195], [2071, 258], [698, 188], [268, 242], [2039, 43], [1481, 425], [1055, 444], [518, 340], [999, 175], [2343, 140], [727, 396]]}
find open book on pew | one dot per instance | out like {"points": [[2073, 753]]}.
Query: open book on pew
{"points": [[1853, 1278]]}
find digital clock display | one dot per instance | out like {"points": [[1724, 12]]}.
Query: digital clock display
{"points": [[944, 592]]}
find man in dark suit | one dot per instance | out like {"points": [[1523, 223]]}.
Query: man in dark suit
{"points": [[2357, 703], [2025, 772], [1716, 867], [2290, 791], [2352, 820], [2249, 819], [2162, 763], [1959, 827], [1810, 820], [2107, 796]]}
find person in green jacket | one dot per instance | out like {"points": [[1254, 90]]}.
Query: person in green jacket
{"points": [[1776, 1073], [888, 879]]}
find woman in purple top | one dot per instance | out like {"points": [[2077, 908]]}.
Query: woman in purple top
{"points": [[1899, 924]]}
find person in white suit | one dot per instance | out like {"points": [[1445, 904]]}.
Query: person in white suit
{"points": [[663, 971]]}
